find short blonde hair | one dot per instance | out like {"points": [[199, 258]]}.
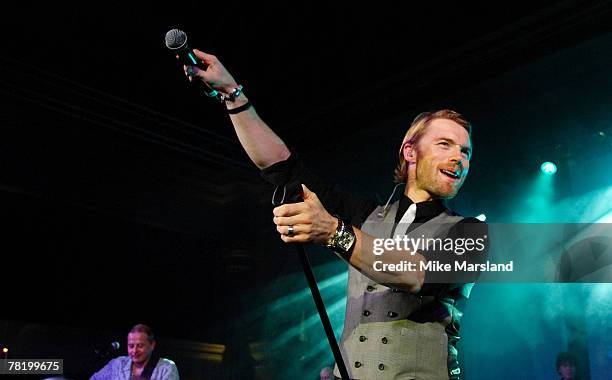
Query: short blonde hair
{"points": [[416, 130]]}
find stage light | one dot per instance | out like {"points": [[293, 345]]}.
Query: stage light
{"points": [[481, 217], [548, 168], [4, 350]]}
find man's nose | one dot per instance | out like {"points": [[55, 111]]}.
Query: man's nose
{"points": [[458, 160]]}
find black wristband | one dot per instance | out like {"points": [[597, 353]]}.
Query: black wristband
{"points": [[243, 107]]}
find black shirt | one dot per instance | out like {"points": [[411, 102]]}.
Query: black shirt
{"points": [[292, 172]]}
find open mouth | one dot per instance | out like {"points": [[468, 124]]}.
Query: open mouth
{"points": [[452, 174]]}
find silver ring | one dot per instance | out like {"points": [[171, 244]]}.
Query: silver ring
{"points": [[291, 232]]}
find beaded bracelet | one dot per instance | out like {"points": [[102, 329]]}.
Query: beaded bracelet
{"points": [[225, 97]]}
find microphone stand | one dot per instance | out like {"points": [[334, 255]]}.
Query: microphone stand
{"points": [[314, 289], [293, 196]]}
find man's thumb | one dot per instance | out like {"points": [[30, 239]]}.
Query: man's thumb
{"points": [[307, 193]]}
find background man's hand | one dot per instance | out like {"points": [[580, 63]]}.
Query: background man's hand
{"points": [[311, 222]]}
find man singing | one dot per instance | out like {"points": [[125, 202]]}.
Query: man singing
{"points": [[400, 324]]}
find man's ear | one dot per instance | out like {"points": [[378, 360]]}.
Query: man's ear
{"points": [[410, 153]]}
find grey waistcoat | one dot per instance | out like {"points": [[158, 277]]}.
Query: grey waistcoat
{"points": [[381, 339]]}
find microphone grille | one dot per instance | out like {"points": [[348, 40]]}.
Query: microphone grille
{"points": [[175, 39]]}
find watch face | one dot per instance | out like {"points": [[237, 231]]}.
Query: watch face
{"points": [[345, 241]]}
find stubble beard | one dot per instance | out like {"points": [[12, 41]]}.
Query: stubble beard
{"points": [[427, 179]]}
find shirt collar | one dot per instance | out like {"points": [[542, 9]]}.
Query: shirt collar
{"points": [[427, 209]]}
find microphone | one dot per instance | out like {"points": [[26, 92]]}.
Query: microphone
{"points": [[103, 351], [176, 41]]}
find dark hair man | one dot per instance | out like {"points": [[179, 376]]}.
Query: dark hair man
{"points": [[566, 366]]}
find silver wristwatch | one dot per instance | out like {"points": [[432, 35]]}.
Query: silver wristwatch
{"points": [[343, 240]]}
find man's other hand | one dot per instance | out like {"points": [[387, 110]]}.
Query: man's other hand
{"points": [[305, 222]]}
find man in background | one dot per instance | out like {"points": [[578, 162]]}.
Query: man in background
{"points": [[142, 361], [566, 366]]}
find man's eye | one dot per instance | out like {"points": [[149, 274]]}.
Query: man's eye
{"points": [[443, 143]]}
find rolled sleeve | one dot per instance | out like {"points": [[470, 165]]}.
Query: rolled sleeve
{"points": [[292, 173]]}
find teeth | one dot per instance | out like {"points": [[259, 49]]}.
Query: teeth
{"points": [[453, 174]]}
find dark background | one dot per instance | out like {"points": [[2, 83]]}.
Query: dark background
{"points": [[125, 198]]}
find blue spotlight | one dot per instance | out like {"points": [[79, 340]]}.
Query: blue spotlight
{"points": [[548, 168]]}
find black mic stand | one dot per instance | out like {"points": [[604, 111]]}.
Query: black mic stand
{"points": [[294, 196]]}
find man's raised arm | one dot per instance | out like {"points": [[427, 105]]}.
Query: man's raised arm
{"points": [[261, 144], [307, 221]]}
